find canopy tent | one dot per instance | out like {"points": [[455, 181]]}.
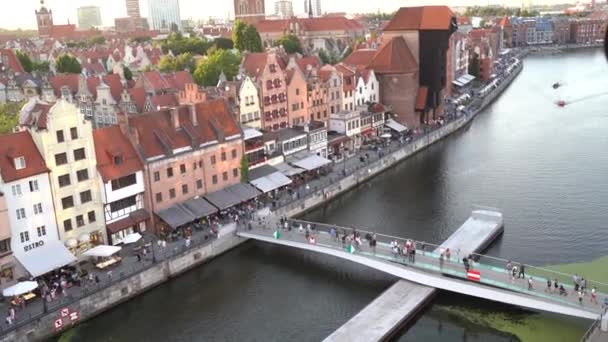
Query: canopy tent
{"points": [[251, 133], [244, 192], [131, 238], [199, 207], [394, 125], [309, 161], [223, 199], [176, 216], [103, 251], [271, 182], [20, 288], [463, 80], [51, 256], [288, 170], [261, 171]]}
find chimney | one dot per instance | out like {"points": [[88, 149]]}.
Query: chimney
{"points": [[193, 116], [175, 117]]}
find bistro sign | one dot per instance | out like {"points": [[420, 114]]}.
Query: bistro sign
{"points": [[31, 246]]}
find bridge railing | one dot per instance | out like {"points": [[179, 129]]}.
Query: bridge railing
{"points": [[478, 261]]}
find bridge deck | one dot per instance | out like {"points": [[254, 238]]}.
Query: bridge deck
{"points": [[495, 285], [382, 317]]}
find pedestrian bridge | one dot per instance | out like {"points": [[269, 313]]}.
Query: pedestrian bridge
{"points": [[494, 283]]}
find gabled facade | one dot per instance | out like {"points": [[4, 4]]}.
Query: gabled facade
{"points": [[368, 88], [249, 104], [297, 99], [65, 141], [24, 183], [121, 179]]}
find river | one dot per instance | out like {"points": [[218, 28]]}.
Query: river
{"points": [[545, 167]]}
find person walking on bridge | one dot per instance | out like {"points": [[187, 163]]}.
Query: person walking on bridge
{"points": [[510, 269], [522, 273]]}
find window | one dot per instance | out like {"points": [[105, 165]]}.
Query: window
{"points": [[20, 213], [61, 159], [117, 160], [79, 154], [34, 186], [73, 133], [123, 203], [82, 175], [25, 236], [79, 221], [85, 196], [171, 193], [16, 190], [60, 137], [64, 180], [225, 176], [159, 197], [199, 184], [169, 172], [213, 160], [156, 176], [223, 156], [37, 208], [5, 246], [200, 164], [194, 166], [182, 169], [124, 182], [214, 179], [235, 172], [297, 91], [67, 202], [91, 216], [67, 225], [41, 231], [185, 189], [234, 153]]}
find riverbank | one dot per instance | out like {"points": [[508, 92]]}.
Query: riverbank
{"points": [[558, 49], [132, 284]]}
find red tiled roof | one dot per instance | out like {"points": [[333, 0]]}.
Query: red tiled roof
{"points": [[13, 62], [336, 23], [112, 80], [305, 61], [35, 116], [394, 57], [159, 124], [179, 79], [156, 80], [325, 72], [165, 100], [421, 98], [94, 68], [110, 142], [421, 18], [347, 74], [254, 63], [19, 145], [63, 31], [138, 96], [463, 21], [360, 58], [60, 80], [272, 25], [505, 22]]}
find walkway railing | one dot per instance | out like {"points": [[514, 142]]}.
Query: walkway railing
{"points": [[595, 327], [432, 258]]}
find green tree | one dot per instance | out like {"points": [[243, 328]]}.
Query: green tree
{"points": [[328, 58], [127, 73], [177, 44], [208, 71], [141, 39], [185, 61], [244, 170], [238, 35], [9, 116], [25, 61], [43, 66], [68, 64], [474, 65], [223, 43], [291, 43], [253, 41], [97, 40]]}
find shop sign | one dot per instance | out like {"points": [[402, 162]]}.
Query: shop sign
{"points": [[58, 323], [31, 246]]}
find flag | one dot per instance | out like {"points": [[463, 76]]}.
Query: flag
{"points": [[350, 249], [473, 275], [277, 234]]}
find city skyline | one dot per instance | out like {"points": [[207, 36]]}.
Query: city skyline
{"points": [[22, 13]]}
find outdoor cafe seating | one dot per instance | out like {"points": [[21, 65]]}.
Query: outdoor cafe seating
{"points": [[105, 256]]}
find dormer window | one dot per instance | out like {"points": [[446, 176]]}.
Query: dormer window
{"points": [[117, 160], [19, 163]]}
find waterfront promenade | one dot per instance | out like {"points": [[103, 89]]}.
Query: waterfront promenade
{"points": [[130, 267]]}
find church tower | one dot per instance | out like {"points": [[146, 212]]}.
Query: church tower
{"points": [[44, 18], [249, 11]]}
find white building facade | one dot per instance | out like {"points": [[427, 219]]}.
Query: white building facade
{"points": [[163, 14], [368, 88], [249, 104]]}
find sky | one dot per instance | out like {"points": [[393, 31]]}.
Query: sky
{"points": [[20, 13]]}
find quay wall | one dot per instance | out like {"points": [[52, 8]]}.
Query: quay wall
{"points": [[43, 328]]}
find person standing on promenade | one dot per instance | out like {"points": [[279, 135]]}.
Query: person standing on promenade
{"points": [[448, 254], [583, 286], [530, 284], [548, 289], [510, 269], [580, 297], [522, 273], [593, 295]]}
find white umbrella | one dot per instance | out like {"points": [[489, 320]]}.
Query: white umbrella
{"points": [[19, 288], [102, 251], [131, 238], [386, 135]]}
